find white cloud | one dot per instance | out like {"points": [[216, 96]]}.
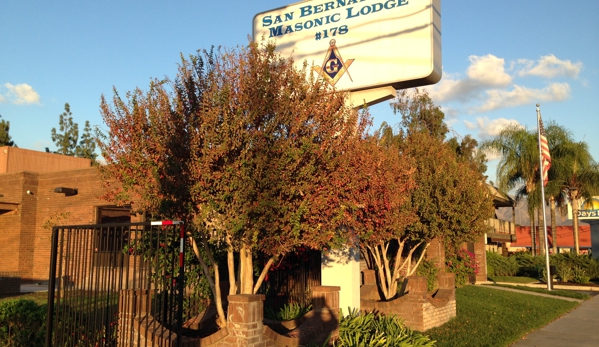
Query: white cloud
{"points": [[549, 66], [488, 71], [488, 84], [487, 129], [2, 99], [483, 73], [22, 94], [499, 98]]}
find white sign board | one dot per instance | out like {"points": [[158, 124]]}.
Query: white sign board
{"points": [[360, 44], [587, 210]]}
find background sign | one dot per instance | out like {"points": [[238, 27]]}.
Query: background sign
{"points": [[586, 209], [360, 44]]}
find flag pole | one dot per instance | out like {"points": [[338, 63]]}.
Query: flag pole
{"points": [[543, 178]]}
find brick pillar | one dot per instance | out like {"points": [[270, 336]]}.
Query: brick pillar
{"points": [[436, 252], [480, 253], [417, 287], [133, 303], [326, 299], [244, 321], [325, 304], [369, 289], [369, 276]]}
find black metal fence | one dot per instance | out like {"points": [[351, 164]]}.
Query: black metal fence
{"points": [[291, 278], [116, 285], [123, 285]]}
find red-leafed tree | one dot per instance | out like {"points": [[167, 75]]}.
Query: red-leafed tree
{"points": [[379, 182], [446, 197], [243, 146]]}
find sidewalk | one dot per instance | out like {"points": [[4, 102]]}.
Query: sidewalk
{"points": [[579, 328]]}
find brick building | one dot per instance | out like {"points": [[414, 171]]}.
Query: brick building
{"points": [[38, 190]]}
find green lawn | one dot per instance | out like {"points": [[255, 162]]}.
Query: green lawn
{"points": [[39, 297], [491, 317], [513, 279], [555, 292]]}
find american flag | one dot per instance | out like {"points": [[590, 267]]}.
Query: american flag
{"points": [[545, 157]]}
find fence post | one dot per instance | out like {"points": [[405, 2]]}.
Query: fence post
{"points": [[51, 287]]}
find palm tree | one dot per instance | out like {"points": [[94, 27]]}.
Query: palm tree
{"points": [[557, 137], [576, 174], [519, 164]]}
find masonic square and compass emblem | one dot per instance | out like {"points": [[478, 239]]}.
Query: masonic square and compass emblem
{"points": [[333, 66]]}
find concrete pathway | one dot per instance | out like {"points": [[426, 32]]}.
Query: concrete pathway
{"points": [[578, 328], [30, 288]]}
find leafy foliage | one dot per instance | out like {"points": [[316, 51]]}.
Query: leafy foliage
{"points": [[22, 323], [287, 312], [463, 265], [5, 139], [370, 329], [429, 269], [242, 146], [443, 193], [67, 136], [498, 265]]}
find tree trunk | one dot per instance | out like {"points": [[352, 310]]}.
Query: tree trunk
{"points": [[246, 270], [533, 239], [263, 274], [574, 201], [221, 320], [553, 225], [541, 228]]}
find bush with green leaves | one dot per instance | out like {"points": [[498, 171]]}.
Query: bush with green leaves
{"points": [[580, 276], [575, 267], [376, 330], [22, 323], [428, 269], [463, 265], [564, 272], [498, 265], [287, 312], [529, 265]]}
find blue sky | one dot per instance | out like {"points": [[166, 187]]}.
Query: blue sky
{"points": [[500, 58]]}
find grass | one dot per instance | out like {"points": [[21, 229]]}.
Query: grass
{"points": [[564, 293], [40, 298], [495, 318], [513, 279]]}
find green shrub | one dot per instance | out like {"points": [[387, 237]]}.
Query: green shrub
{"points": [[22, 323], [375, 330], [498, 265], [593, 269], [580, 276], [287, 312], [528, 265], [564, 272], [428, 269], [575, 267], [462, 265]]}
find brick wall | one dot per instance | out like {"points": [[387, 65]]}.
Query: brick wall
{"points": [[417, 307], [10, 282], [25, 234]]}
